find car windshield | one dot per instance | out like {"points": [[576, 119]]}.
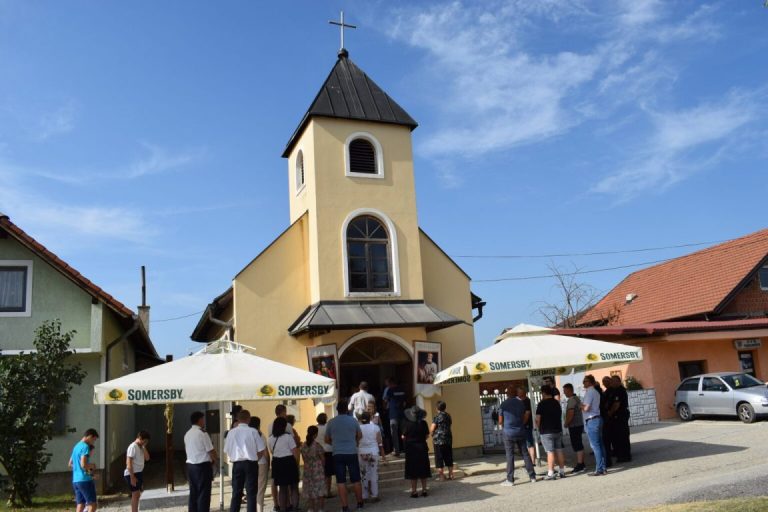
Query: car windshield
{"points": [[741, 380]]}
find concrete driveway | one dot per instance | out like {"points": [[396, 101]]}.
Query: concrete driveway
{"points": [[672, 462]]}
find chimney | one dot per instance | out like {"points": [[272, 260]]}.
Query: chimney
{"points": [[144, 309]]}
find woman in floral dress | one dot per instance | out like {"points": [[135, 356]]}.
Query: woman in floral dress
{"points": [[313, 481]]}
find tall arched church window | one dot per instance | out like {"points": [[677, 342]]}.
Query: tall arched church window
{"points": [[299, 170], [368, 255]]}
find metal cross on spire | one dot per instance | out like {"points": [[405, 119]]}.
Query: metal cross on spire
{"points": [[341, 26]]}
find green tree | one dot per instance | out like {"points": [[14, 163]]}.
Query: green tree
{"points": [[33, 388]]}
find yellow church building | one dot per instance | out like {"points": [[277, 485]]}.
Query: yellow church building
{"points": [[353, 288]]}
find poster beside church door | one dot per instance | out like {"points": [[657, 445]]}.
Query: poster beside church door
{"points": [[427, 362]]}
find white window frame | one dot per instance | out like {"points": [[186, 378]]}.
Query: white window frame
{"points": [[28, 296], [299, 186], [379, 156], [759, 281], [395, 270]]}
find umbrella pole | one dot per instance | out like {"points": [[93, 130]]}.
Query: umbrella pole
{"points": [[222, 427]]}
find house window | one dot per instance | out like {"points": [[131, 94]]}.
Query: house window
{"points": [[299, 171], [763, 277], [363, 156], [691, 368], [15, 284], [368, 260]]}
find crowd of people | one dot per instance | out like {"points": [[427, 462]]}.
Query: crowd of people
{"points": [[350, 447], [603, 414], [347, 448]]}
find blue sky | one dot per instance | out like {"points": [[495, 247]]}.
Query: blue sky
{"points": [[150, 133]]}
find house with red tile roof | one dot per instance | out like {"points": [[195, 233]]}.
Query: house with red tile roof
{"points": [[110, 341], [703, 312]]}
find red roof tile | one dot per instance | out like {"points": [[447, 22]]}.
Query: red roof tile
{"points": [[59, 264], [696, 284]]}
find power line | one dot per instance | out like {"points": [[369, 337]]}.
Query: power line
{"points": [[606, 269], [593, 253], [546, 276], [176, 317]]}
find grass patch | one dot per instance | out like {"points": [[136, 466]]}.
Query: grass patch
{"points": [[53, 503], [57, 503], [759, 504]]}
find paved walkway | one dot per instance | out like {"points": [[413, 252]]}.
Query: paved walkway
{"points": [[672, 462]]}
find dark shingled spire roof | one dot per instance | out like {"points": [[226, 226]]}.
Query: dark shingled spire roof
{"points": [[348, 93]]}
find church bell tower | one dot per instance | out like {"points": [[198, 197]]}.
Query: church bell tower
{"points": [[350, 171]]}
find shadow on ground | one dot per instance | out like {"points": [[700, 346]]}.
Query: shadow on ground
{"points": [[663, 450]]}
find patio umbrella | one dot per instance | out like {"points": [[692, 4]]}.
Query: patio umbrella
{"points": [[528, 351], [218, 372], [223, 371]]}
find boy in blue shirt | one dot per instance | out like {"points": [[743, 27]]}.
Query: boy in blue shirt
{"points": [[82, 471]]}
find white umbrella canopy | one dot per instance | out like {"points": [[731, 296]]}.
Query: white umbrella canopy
{"points": [[220, 372], [529, 350]]}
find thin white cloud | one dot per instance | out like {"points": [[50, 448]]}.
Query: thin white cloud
{"points": [[636, 13], [499, 87], [683, 143], [156, 160], [57, 122], [159, 160], [29, 208]]}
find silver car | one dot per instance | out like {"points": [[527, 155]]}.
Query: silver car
{"points": [[722, 393]]}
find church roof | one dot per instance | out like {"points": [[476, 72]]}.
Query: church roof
{"points": [[348, 93], [342, 315]]}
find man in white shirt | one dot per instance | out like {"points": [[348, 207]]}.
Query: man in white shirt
{"points": [[358, 403], [593, 424], [244, 447], [201, 459], [135, 457]]}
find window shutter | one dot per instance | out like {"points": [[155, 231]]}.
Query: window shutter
{"points": [[362, 157]]}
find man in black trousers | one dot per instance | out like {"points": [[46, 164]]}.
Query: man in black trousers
{"points": [[244, 447], [201, 459]]}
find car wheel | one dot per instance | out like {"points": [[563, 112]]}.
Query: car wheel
{"points": [[746, 413], [684, 412]]}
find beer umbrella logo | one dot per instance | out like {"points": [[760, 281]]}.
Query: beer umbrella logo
{"points": [[477, 378], [267, 390], [561, 370], [116, 395], [481, 367], [593, 357]]}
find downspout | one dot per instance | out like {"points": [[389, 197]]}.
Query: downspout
{"points": [[222, 323], [104, 378], [479, 306]]}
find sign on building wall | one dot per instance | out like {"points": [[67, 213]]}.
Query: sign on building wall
{"points": [[427, 361], [324, 360], [747, 344]]}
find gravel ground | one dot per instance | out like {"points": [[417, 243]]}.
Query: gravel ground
{"points": [[672, 463]]}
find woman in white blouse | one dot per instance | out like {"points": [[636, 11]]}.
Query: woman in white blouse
{"points": [[369, 450], [285, 471]]}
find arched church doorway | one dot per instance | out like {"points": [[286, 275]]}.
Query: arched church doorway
{"points": [[373, 360]]}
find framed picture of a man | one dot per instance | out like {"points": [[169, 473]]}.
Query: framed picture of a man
{"points": [[428, 366]]}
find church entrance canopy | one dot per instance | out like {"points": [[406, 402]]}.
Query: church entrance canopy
{"points": [[528, 351], [371, 314]]}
